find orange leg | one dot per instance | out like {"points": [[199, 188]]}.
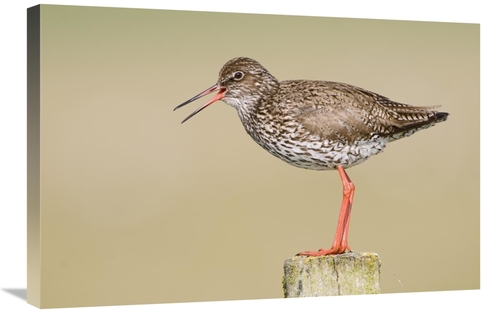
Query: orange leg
{"points": [[340, 241]]}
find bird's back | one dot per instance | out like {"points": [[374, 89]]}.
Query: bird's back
{"points": [[339, 111]]}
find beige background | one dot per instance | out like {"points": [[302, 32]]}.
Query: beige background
{"points": [[137, 208]]}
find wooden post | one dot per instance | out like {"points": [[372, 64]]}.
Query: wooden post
{"points": [[350, 273]]}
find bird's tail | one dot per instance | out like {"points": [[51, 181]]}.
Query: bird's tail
{"points": [[417, 120]]}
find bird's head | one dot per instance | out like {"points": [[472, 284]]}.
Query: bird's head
{"points": [[242, 83]]}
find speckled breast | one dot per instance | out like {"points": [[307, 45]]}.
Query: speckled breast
{"points": [[299, 148]]}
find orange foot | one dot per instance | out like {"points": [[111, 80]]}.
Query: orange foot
{"points": [[331, 251]]}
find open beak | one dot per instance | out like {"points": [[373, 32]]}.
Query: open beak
{"points": [[218, 96]]}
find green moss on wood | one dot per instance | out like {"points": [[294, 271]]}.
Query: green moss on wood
{"points": [[344, 274]]}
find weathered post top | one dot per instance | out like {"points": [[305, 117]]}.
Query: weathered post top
{"points": [[332, 275]]}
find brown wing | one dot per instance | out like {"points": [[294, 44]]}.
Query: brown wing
{"points": [[348, 113]]}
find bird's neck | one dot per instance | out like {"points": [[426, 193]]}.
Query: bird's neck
{"points": [[259, 116]]}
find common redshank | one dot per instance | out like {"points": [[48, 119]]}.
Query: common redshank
{"points": [[318, 125]]}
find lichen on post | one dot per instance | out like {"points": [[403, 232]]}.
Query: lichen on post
{"points": [[350, 273]]}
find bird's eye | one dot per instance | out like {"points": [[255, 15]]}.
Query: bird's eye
{"points": [[238, 75]]}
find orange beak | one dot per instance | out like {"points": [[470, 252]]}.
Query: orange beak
{"points": [[218, 96]]}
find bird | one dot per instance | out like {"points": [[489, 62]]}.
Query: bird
{"points": [[316, 124]]}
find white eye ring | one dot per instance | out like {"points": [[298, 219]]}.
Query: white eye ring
{"points": [[238, 75]]}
